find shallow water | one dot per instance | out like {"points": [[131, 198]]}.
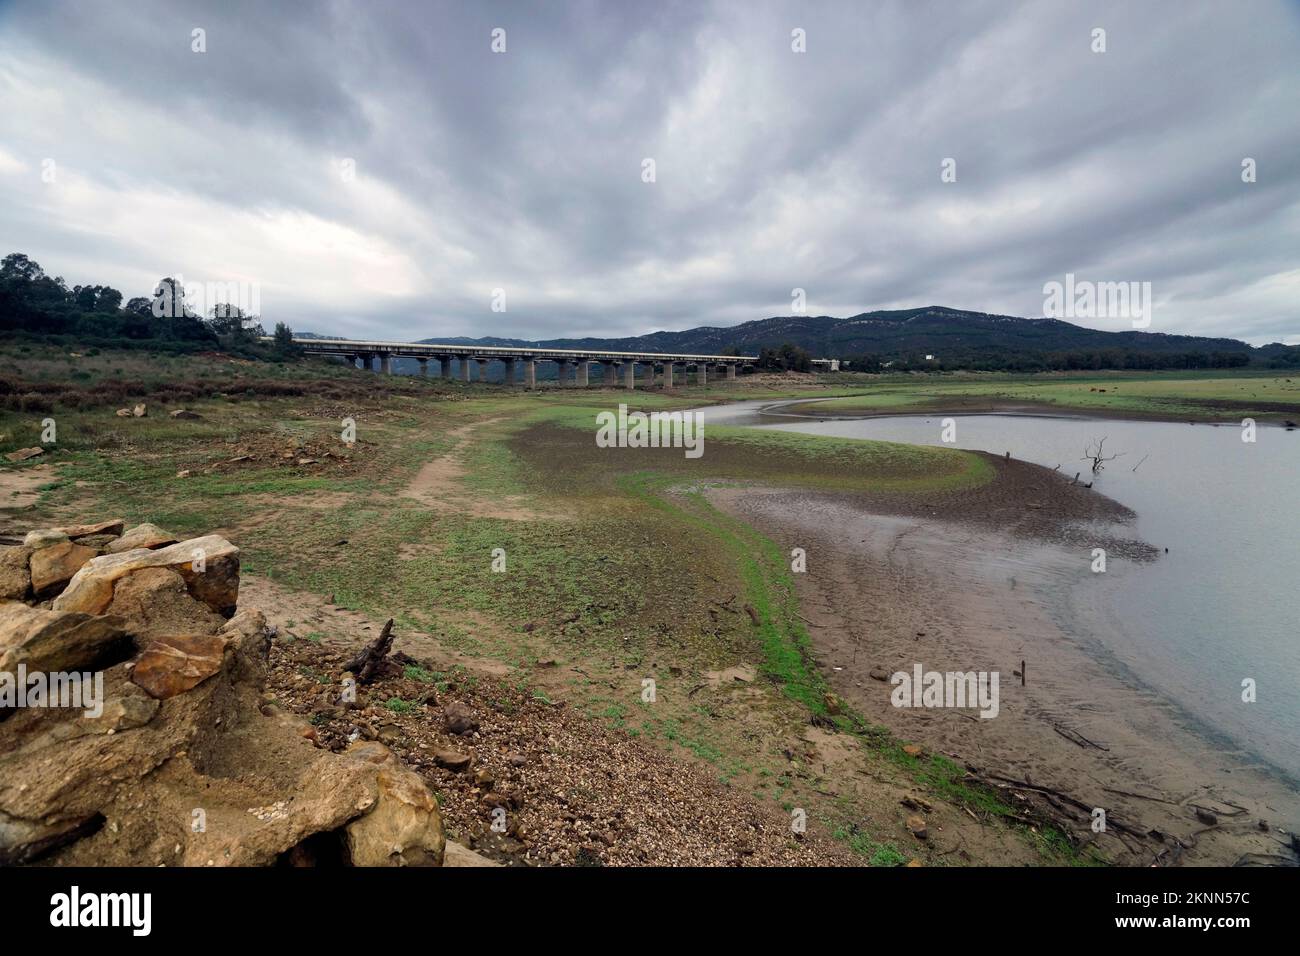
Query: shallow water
{"points": [[1221, 606]]}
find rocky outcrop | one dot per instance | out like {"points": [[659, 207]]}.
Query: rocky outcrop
{"points": [[209, 566], [113, 526], [404, 828], [141, 536], [172, 665], [56, 640], [15, 575], [158, 603], [53, 567], [182, 759]]}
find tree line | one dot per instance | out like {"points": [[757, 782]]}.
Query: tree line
{"points": [[1050, 361], [40, 306]]}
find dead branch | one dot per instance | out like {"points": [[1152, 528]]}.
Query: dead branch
{"points": [[1095, 452], [1075, 737], [366, 664]]}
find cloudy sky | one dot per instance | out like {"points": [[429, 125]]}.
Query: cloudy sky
{"points": [[378, 170]]}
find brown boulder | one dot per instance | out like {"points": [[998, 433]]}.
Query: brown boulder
{"points": [[458, 719], [172, 665], [452, 760], [53, 567], [121, 789], [22, 454], [112, 526], [141, 536], [404, 827], [186, 414], [15, 575], [154, 602], [56, 640], [24, 840], [458, 855], [44, 537], [91, 590]]}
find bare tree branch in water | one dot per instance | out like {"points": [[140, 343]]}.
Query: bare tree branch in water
{"points": [[1095, 453]]}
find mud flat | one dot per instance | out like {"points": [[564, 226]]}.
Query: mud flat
{"points": [[892, 583]]}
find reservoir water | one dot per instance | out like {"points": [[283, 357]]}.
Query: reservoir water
{"points": [[1222, 606]]}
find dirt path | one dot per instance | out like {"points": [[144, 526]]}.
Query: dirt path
{"points": [[19, 487], [883, 593], [440, 484]]}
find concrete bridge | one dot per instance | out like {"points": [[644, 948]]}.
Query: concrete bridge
{"points": [[574, 364]]}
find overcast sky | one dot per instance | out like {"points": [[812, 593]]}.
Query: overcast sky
{"points": [[774, 169]]}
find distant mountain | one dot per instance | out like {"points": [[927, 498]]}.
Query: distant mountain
{"points": [[933, 329]]}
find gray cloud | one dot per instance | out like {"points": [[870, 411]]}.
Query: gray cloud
{"points": [[775, 170]]}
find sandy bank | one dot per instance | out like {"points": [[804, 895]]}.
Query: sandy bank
{"points": [[973, 584]]}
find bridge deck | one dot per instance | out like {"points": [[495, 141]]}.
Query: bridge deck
{"points": [[415, 350]]}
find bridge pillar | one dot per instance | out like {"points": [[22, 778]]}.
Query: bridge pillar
{"points": [[482, 368], [584, 373], [464, 368], [385, 363], [701, 373], [731, 371], [444, 363], [668, 374], [629, 374], [563, 372], [649, 380], [510, 371], [609, 375], [530, 373], [424, 367], [372, 362]]}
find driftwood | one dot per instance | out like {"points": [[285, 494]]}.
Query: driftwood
{"points": [[1075, 737], [368, 660], [1141, 796], [1111, 822]]}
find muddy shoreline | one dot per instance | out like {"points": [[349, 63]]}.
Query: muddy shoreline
{"points": [[1216, 413], [971, 582]]}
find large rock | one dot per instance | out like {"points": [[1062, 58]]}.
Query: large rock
{"points": [[91, 590], [172, 665], [57, 640], [404, 827], [457, 854], [185, 735], [24, 840], [112, 526], [53, 567], [154, 602], [15, 576], [44, 537], [142, 536]]}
